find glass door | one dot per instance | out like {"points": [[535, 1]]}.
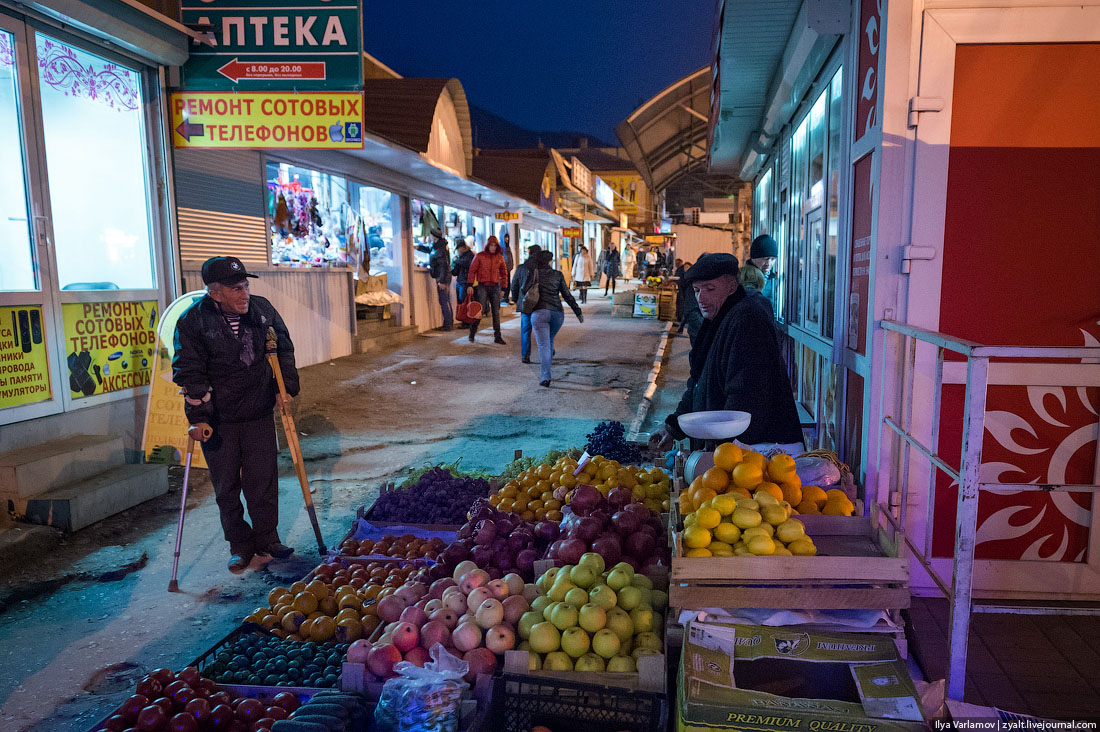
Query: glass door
{"points": [[29, 375]]}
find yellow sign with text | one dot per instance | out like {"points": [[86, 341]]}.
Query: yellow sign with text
{"points": [[24, 368], [165, 423], [110, 345], [284, 120]]}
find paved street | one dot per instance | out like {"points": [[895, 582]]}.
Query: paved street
{"points": [[89, 617]]}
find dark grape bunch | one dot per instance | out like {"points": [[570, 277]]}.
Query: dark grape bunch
{"points": [[607, 440], [438, 497]]}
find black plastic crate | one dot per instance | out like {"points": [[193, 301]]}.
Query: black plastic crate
{"points": [[521, 702], [206, 659]]}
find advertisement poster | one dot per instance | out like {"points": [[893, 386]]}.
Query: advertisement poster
{"points": [[110, 345], [165, 423], [24, 371], [286, 120]]}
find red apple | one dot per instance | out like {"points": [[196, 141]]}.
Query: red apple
{"points": [[418, 656], [481, 661], [406, 637], [381, 659]]}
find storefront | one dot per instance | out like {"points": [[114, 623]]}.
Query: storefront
{"points": [[85, 217]]}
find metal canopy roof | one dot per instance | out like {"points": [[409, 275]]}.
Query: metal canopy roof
{"points": [[402, 110], [668, 134]]}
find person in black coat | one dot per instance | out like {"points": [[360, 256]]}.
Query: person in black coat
{"points": [[461, 268], [735, 360], [520, 277], [548, 314], [229, 392], [440, 267]]}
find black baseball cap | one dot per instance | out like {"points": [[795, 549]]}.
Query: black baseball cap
{"points": [[224, 270]]}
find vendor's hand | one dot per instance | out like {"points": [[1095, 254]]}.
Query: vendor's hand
{"points": [[661, 440], [283, 400], [200, 432]]}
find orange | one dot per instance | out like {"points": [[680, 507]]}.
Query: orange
{"points": [[702, 495], [807, 506], [780, 467], [755, 458], [726, 456], [696, 537], [305, 602], [716, 479], [815, 494], [773, 489], [747, 475], [792, 493], [685, 504], [323, 629]]}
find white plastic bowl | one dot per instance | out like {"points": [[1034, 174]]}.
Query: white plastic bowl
{"points": [[722, 424]]}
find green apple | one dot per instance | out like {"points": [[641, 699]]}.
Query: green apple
{"points": [[630, 597], [606, 643], [621, 664], [640, 580], [639, 652], [590, 662], [603, 596], [648, 640], [524, 646], [618, 620], [557, 661], [618, 579], [644, 619], [576, 597], [624, 567], [534, 661], [549, 610], [592, 617], [539, 603], [594, 561], [546, 581], [564, 616], [527, 621], [544, 638], [658, 599], [627, 646], [561, 587], [575, 642], [583, 576]]}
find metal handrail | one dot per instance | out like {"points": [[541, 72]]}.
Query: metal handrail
{"points": [[960, 589]]}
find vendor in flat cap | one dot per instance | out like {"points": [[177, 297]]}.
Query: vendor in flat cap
{"points": [[735, 360]]}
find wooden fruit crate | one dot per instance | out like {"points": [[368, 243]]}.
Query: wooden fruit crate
{"points": [[857, 567]]}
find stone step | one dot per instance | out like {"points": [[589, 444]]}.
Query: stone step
{"points": [[80, 504], [29, 471], [387, 338]]}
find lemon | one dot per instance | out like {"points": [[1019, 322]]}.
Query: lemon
{"points": [[750, 503], [774, 515], [689, 520], [727, 532], [782, 551], [700, 552], [720, 549], [746, 518], [761, 545], [790, 530], [696, 537], [707, 518], [741, 551], [761, 530], [763, 498], [802, 548], [724, 504]]}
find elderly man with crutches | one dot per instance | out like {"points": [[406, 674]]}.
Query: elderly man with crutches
{"points": [[230, 389]]}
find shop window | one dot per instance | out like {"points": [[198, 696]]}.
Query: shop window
{"points": [[458, 226], [808, 391], [798, 228], [16, 247], [376, 236], [94, 132], [309, 216], [424, 217], [833, 223]]}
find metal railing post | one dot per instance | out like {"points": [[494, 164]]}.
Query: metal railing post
{"points": [[966, 522], [934, 443]]}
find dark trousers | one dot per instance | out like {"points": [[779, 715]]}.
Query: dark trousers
{"points": [[610, 283], [489, 297], [243, 459], [505, 294], [445, 305]]}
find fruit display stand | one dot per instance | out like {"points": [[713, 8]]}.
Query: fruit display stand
{"points": [[523, 702], [856, 568], [368, 515]]}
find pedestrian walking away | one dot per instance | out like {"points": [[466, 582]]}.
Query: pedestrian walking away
{"points": [[522, 276], [735, 360], [509, 265], [229, 393], [610, 268], [461, 269], [583, 271], [488, 276], [548, 315], [440, 267]]}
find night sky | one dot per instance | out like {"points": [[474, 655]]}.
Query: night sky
{"points": [[550, 65]]}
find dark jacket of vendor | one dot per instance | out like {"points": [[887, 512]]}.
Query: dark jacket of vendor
{"points": [[233, 368], [736, 364]]}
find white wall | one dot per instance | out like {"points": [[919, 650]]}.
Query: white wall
{"points": [[694, 241]]}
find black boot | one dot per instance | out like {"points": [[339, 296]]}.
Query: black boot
{"points": [[473, 331], [498, 339]]}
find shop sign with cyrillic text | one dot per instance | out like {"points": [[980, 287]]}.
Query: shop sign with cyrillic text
{"points": [[110, 345], [516, 217], [571, 232], [24, 368], [269, 45], [310, 120]]}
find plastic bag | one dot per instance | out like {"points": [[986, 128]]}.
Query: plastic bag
{"points": [[817, 470], [427, 698]]}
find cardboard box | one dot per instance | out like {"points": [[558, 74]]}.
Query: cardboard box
{"points": [[645, 304], [373, 283], [748, 678]]}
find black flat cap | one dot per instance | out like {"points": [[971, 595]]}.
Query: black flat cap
{"points": [[711, 266]]}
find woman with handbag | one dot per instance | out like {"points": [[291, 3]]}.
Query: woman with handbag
{"points": [[488, 276], [546, 289], [583, 271]]}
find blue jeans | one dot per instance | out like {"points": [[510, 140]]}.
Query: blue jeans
{"points": [[546, 324], [445, 305], [525, 335]]}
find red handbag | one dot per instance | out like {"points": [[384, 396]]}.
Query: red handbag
{"points": [[469, 310]]}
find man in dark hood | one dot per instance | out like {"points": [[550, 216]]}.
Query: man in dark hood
{"points": [[735, 360]]}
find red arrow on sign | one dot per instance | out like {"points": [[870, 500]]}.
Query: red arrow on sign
{"points": [[187, 130], [235, 70]]}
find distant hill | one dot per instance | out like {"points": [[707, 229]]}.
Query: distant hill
{"points": [[493, 132]]}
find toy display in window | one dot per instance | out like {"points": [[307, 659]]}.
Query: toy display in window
{"points": [[304, 230]]}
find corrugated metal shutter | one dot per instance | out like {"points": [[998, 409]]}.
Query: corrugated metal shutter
{"points": [[220, 201]]}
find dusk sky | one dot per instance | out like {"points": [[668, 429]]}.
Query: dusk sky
{"points": [[550, 65]]}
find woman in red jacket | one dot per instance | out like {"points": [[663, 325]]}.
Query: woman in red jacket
{"points": [[487, 275]]}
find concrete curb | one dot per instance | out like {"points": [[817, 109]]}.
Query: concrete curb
{"points": [[651, 384]]}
